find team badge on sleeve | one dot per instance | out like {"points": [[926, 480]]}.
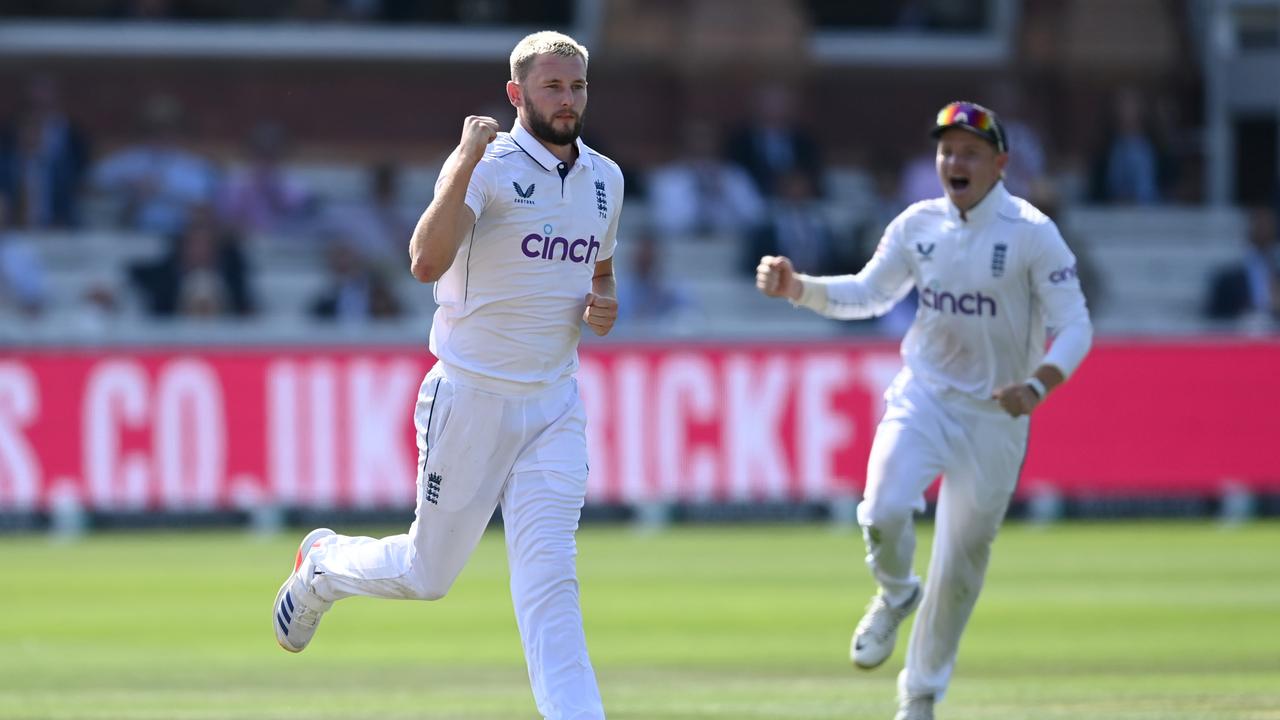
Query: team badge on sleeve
{"points": [[602, 200], [432, 494]]}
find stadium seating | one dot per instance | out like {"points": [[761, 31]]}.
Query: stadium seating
{"points": [[1153, 263]]}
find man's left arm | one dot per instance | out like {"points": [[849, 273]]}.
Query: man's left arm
{"points": [[602, 302], [1055, 283]]}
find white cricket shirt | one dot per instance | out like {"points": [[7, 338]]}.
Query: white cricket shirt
{"points": [[511, 305], [991, 287]]}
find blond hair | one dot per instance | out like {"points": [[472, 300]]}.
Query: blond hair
{"points": [[547, 42]]}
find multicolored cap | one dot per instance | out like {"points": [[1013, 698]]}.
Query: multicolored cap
{"points": [[974, 118]]}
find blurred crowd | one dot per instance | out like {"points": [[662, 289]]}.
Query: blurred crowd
{"points": [[554, 12], [204, 208], [1249, 290], [763, 186], [766, 184]]}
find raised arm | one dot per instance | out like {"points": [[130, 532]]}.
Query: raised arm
{"points": [[884, 281], [447, 219]]}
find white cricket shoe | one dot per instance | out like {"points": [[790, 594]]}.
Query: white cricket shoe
{"points": [[919, 707], [877, 632], [297, 610]]}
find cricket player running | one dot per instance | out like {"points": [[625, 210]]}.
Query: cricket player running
{"points": [[519, 240], [994, 278]]}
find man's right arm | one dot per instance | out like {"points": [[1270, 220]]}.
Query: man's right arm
{"points": [[447, 219], [879, 286]]}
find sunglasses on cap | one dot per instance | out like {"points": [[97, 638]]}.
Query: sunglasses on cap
{"points": [[974, 118]]}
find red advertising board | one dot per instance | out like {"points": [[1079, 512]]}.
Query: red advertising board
{"points": [[178, 429]]}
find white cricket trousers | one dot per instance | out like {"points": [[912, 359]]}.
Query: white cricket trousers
{"points": [[478, 448], [978, 449]]}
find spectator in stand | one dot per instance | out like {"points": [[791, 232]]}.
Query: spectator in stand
{"points": [[1127, 170], [377, 227], [22, 279], [882, 204], [886, 206], [918, 180], [358, 291], [262, 197], [646, 296], [773, 145], [701, 193], [156, 182], [1172, 143], [796, 226], [42, 161], [1252, 287], [204, 274], [1027, 163]]}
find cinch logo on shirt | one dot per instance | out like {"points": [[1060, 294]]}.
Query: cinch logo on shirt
{"points": [[546, 247], [1063, 275], [966, 304]]}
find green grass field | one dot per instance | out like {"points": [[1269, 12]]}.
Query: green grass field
{"points": [[1167, 621]]}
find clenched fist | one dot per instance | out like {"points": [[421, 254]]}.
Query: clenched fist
{"points": [[1017, 399], [477, 133], [777, 278], [600, 314]]}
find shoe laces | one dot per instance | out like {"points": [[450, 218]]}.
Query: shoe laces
{"points": [[309, 608], [308, 616], [881, 618]]}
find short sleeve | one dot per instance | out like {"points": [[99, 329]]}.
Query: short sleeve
{"points": [[479, 188], [610, 244]]}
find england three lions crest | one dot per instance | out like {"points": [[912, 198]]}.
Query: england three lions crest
{"points": [[602, 200]]}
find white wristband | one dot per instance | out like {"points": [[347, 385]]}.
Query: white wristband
{"points": [[1037, 387], [813, 295]]}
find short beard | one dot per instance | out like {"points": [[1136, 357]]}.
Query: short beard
{"points": [[543, 129]]}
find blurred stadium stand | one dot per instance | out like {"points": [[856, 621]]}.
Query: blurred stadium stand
{"points": [[355, 83], [340, 113]]}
